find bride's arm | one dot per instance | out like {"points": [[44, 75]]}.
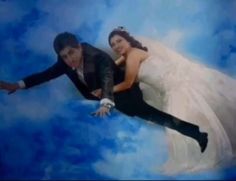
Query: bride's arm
{"points": [[131, 71], [120, 60]]}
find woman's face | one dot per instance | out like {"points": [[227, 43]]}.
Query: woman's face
{"points": [[120, 45]]}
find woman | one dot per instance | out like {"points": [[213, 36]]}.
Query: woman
{"points": [[186, 90]]}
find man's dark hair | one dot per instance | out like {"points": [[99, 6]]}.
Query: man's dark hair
{"points": [[63, 40]]}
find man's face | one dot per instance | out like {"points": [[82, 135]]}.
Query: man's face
{"points": [[72, 56]]}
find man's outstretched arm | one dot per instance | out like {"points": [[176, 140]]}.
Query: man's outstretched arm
{"points": [[35, 79], [10, 87]]}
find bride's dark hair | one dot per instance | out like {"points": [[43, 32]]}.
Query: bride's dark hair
{"points": [[123, 33]]}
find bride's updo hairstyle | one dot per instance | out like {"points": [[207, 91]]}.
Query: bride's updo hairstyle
{"points": [[120, 30]]}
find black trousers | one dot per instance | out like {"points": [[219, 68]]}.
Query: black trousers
{"points": [[131, 103]]}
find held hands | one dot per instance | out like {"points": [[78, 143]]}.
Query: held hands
{"points": [[97, 93], [10, 87]]}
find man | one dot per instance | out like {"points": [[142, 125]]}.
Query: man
{"points": [[89, 69]]}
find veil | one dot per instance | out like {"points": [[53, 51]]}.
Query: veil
{"points": [[205, 97]]}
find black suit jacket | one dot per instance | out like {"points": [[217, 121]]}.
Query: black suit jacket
{"points": [[99, 70]]}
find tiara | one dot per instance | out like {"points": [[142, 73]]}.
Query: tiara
{"points": [[120, 28]]}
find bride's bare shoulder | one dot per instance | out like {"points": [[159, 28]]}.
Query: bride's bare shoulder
{"points": [[138, 53]]}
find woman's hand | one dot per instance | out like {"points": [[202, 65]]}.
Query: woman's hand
{"points": [[97, 93], [120, 60]]}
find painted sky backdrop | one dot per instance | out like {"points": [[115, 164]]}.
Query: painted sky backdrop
{"points": [[201, 30]]}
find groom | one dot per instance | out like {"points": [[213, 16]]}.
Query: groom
{"points": [[89, 69]]}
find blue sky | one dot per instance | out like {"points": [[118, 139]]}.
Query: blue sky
{"points": [[201, 30]]}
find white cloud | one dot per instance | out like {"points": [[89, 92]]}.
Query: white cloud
{"points": [[39, 39], [163, 20], [159, 19], [16, 107], [71, 14], [138, 156], [36, 104], [173, 39], [59, 17]]}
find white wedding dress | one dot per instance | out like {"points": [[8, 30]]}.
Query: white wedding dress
{"points": [[196, 94]]}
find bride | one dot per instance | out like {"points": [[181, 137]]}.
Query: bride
{"points": [[186, 90]]}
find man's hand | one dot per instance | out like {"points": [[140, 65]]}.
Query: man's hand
{"points": [[102, 111], [97, 93], [10, 87]]}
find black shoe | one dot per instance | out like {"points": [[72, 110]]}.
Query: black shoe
{"points": [[203, 140]]}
